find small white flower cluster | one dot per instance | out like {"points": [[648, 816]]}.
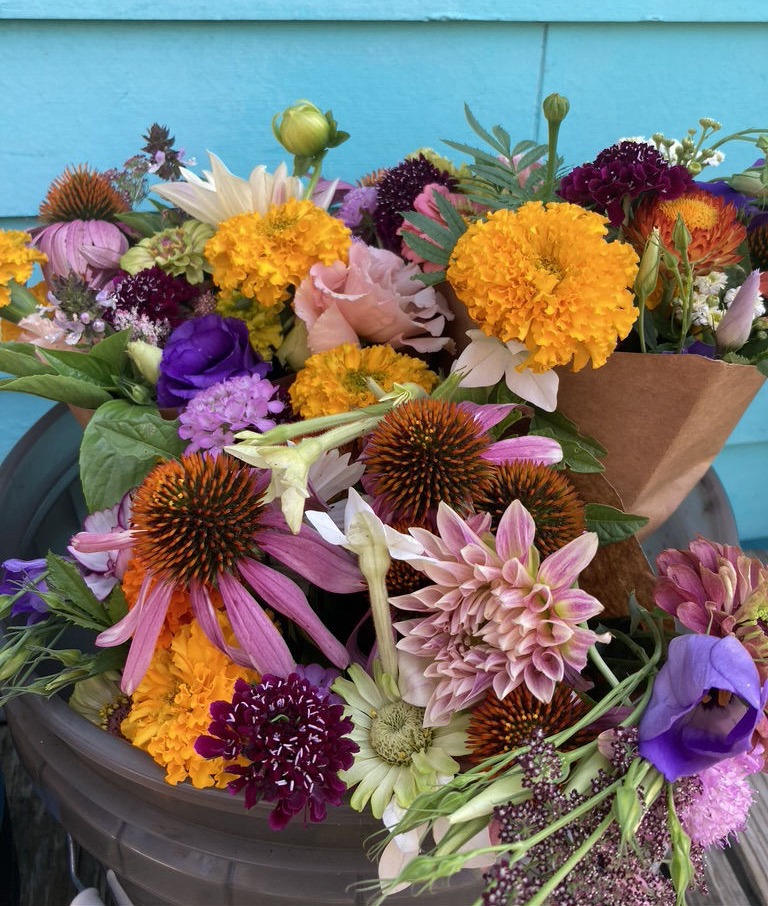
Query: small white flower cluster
{"points": [[707, 308]]}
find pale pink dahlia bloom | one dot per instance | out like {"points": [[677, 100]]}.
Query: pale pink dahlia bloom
{"points": [[372, 299], [718, 590], [721, 809], [494, 616]]}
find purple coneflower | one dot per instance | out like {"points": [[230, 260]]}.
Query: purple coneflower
{"points": [[293, 736], [200, 525]]}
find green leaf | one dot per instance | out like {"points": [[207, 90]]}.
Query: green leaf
{"points": [[71, 598], [453, 219], [580, 453], [433, 278], [612, 525], [59, 388], [146, 223], [431, 228], [483, 133], [112, 350], [21, 359], [428, 250], [80, 366], [121, 445]]}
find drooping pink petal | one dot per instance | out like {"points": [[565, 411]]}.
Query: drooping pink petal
{"points": [[256, 633], [94, 542], [543, 450], [285, 596]]}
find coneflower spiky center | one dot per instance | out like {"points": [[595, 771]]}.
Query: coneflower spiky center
{"points": [[546, 493], [81, 194], [499, 725], [194, 519], [425, 451]]}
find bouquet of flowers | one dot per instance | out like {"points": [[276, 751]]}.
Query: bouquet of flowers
{"points": [[339, 539]]}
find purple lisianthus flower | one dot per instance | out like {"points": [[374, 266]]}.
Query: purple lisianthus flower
{"points": [[203, 352], [706, 703], [623, 172], [25, 576]]}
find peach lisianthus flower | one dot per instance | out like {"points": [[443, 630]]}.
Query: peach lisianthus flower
{"points": [[373, 299]]}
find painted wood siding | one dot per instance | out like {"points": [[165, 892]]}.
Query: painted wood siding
{"points": [[82, 79]]}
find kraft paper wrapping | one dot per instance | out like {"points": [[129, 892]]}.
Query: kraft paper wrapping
{"points": [[662, 418]]}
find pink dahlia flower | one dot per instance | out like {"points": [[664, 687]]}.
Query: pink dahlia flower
{"points": [[494, 617], [716, 589], [373, 299], [89, 248]]}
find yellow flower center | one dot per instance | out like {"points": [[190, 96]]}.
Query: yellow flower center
{"points": [[397, 732], [697, 213]]}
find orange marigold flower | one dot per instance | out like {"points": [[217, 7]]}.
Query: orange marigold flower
{"points": [[716, 234], [545, 276], [336, 381], [262, 257], [17, 260], [179, 609], [171, 705]]}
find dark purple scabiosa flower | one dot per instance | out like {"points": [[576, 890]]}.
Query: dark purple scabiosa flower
{"points": [[295, 738], [25, 579], [620, 174], [396, 191], [213, 417], [151, 296], [706, 703], [203, 352]]}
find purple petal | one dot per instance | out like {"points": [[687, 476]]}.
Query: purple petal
{"points": [[562, 568], [515, 534], [287, 598], [531, 447]]}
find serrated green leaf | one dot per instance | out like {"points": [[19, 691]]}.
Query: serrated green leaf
{"points": [[453, 219], [431, 228], [470, 151], [121, 445], [530, 157], [481, 131], [426, 249], [71, 598], [502, 137], [432, 278], [612, 525], [580, 453], [59, 388], [762, 366]]}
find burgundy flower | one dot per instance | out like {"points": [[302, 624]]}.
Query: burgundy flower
{"points": [[294, 736], [396, 192], [622, 173], [152, 293]]}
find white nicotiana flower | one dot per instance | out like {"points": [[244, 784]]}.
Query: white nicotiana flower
{"points": [[487, 360]]}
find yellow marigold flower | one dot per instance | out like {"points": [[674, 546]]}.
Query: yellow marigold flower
{"points": [[170, 707], [16, 261], [262, 257], [546, 277], [335, 381], [265, 324]]}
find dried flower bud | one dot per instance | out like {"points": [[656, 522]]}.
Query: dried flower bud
{"points": [[304, 130], [555, 108]]}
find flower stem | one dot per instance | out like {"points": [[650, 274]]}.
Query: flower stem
{"points": [[605, 670]]}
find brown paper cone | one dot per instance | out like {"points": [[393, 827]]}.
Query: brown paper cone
{"points": [[662, 418]]}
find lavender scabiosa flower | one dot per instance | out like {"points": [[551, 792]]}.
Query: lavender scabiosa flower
{"points": [[357, 207], [293, 736], [396, 191], [620, 174], [720, 806], [213, 417]]}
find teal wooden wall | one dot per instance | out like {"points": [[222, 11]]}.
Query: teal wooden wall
{"points": [[82, 79]]}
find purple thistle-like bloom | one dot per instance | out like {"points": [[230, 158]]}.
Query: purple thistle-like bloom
{"points": [[396, 192], [620, 173], [26, 576], [706, 704], [359, 203], [213, 417], [294, 736], [203, 352]]}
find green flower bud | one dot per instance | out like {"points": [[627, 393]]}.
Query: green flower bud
{"points": [[555, 108], [146, 358], [680, 235], [680, 868], [626, 808], [648, 271], [694, 168], [304, 131]]}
